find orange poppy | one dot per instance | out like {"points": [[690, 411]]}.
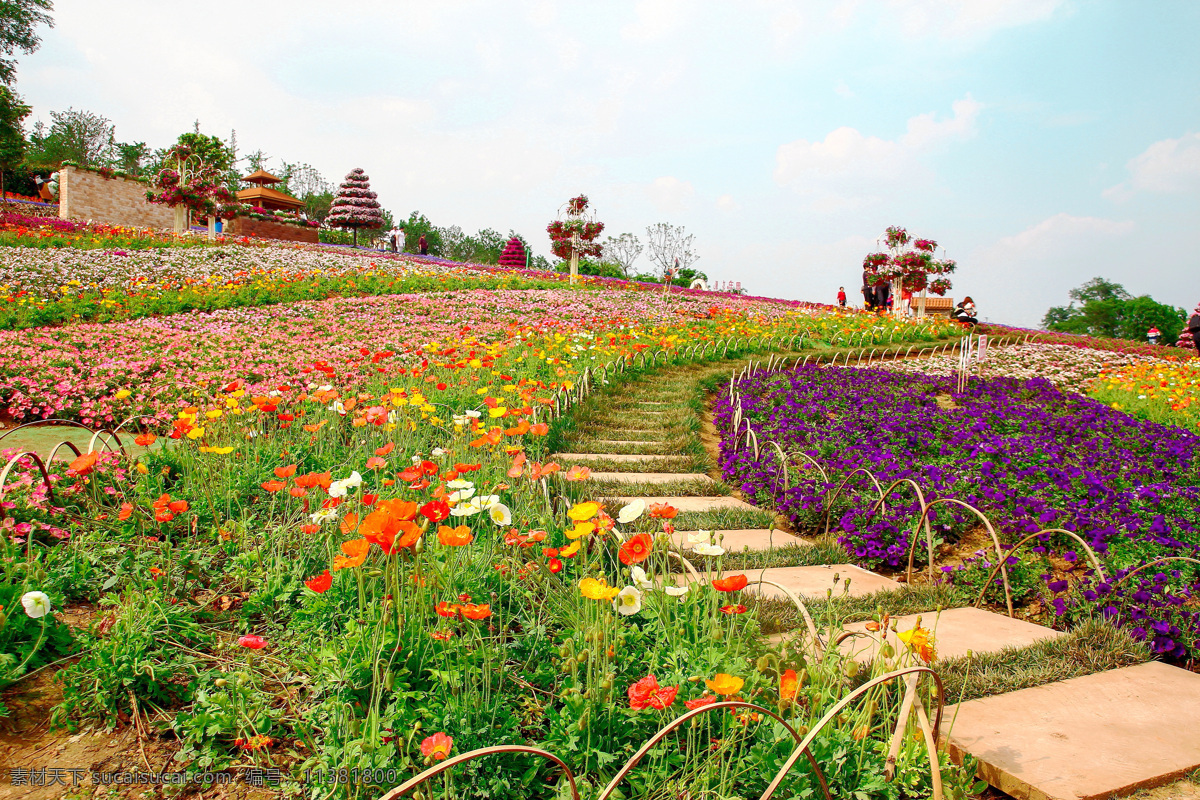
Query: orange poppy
{"points": [[273, 486], [348, 524], [473, 611], [84, 464], [387, 448], [145, 440], [663, 510], [636, 550], [355, 554], [455, 537], [285, 472], [788, 685], [731, 583]]}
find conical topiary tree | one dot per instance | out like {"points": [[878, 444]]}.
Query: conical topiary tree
{"points": [[514, 254], [355, 205]]}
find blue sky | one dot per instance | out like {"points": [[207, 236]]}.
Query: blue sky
{"points": [[1041, 142]]}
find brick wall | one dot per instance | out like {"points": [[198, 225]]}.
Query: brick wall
{"points": [[85, 195], [264, 229]]}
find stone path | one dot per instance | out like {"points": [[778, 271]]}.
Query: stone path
{"points": [[1097, 736], [1085, 738]]}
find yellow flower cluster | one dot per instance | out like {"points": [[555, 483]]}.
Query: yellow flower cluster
{"points": [[1163, 391]]}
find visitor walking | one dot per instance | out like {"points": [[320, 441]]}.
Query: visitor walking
{"points": [[842, 296], [423, 245], [1193, 327]]}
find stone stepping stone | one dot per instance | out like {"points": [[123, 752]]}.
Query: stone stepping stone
{"points": [[652, 477], [815, 582], [689, 504], [622, 442], [618, 458], [955, 631], [1086, 738], [758, 539]]}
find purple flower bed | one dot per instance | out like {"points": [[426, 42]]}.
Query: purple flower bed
{"points": [[1029, 456]]}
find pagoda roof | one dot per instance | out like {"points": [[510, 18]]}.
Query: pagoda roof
{"points": [[261, 177], [268, 198]]}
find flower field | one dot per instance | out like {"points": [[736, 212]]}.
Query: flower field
{"points": [[1163, 391], [345, 565], [1029, 456]]}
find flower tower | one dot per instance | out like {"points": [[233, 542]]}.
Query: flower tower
{"points": [[354, 206], [909, 265], [514, 254], [574, 233], [188, 184]]}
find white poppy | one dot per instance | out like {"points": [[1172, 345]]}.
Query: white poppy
{"points": [[628, 601], [459, 483], [339, 488], [37, 604], [486, 501], [500, 514], [338, 407], [702, 544], [631, 512], [468, 509], [462, 495], [438, 452], [676, 591], [470, 412], [324, 515], [640, 578]]}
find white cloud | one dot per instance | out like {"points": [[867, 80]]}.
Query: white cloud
{"points": [[655, 19], [848, 169], [669, 194], [1018, 277], [1171, 166], [727, 204], [967, 19], [842, 90]]}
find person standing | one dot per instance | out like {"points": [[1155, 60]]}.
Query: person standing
{"points": [[842, 296], [423, 245], [1193, 327]]}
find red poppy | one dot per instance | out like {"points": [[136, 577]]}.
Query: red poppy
{"points": [[321, 583], [466, 467], [126, 511], [446, 609], [437, 747], [387, 448], [285, 472], [636, 550], [473, 611], [731, 610], [178, 506], [555, 565], [788, 685], [646, 693], [310, 529], [435, 510], [297, 491], [145, 440], [253, 642], [272, 486], [700, 702], [731, 583]]}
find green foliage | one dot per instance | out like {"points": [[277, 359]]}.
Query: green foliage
{"points": [[17, 21], [82, 137], [13, 112], [143, 651], [416, 226], [1106, 309]]}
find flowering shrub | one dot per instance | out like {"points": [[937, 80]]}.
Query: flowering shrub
{"points": [[1027, 454], [355, 205]]}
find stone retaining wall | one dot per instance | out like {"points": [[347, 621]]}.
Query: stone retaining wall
{"points": [[86, 195], [264, 229]]}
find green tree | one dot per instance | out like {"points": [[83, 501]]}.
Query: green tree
{"points": [[18, 18], [79, 136], [416, 226], [12, 133], [1106, 309], [213, 151], [131, 157]]}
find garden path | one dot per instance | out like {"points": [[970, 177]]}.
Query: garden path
{"points": [[1097, 736]]}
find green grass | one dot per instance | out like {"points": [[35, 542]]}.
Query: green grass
{"points": [[1094, 646], [682, 463], [724, 519]]}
